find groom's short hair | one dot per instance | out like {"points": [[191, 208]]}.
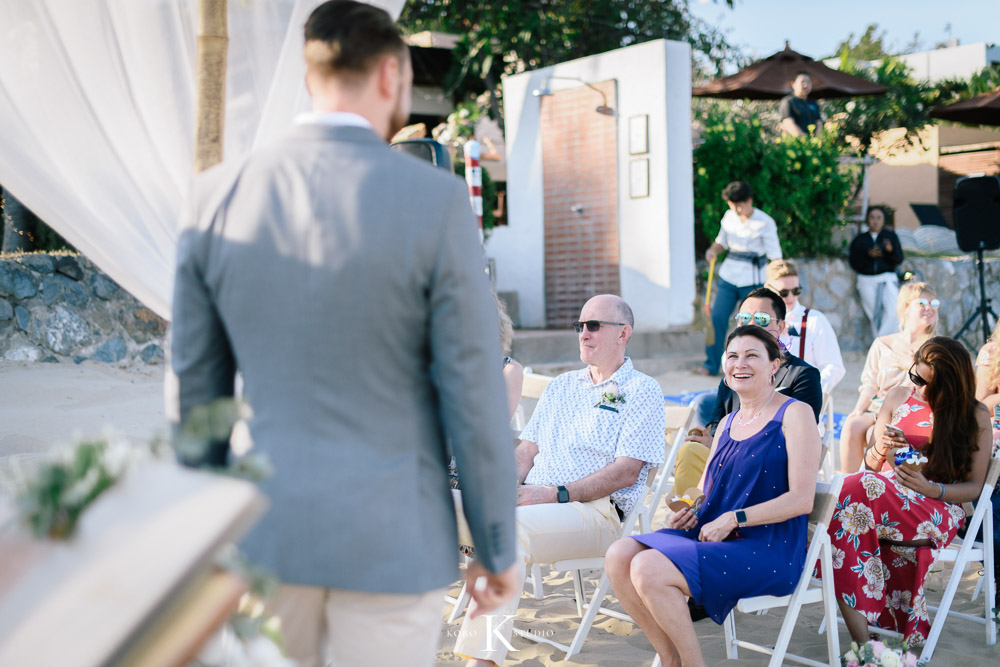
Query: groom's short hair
{"points": [[347, 39]]}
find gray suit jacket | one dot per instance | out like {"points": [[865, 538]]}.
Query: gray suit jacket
{"points": [[345, 280]]}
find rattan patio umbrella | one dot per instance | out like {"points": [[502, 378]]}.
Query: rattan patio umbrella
{"points": [[770, 79], [979, 110]]}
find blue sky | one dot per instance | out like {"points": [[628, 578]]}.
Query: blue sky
{"points": [[816, 28]]}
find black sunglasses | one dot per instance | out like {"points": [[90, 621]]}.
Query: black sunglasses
{"points": [[783, 293], [593, 325], [916, 379]]}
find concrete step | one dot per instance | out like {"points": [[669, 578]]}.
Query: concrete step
{"points": [[533, 347]]}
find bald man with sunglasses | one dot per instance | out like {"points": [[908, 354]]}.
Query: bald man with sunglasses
{"points": [[582, 463]]}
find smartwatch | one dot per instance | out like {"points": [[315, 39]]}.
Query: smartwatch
{"points": [[562, 494], [741, 518]]}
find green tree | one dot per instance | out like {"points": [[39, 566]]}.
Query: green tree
{"points": [[798, 181], [855, 121], [984, 81], [510, 36], [870, 46]]}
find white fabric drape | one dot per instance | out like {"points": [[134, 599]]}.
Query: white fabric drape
{"points": [[97, 101]]}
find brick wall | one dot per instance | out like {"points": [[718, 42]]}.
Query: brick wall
{"points": [[580, 168]]}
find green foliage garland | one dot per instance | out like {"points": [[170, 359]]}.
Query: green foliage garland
{"points": [[52, 503]]}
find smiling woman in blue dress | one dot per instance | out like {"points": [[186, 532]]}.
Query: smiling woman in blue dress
{"points": [[749, 536]]}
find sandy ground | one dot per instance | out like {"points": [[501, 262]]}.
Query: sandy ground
{"points": [[44, 405]]}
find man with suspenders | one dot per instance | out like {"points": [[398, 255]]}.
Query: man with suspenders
{"points": [[810, 335]]}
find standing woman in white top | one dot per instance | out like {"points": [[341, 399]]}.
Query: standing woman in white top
{"points": [[751, 237], [811, 338]]}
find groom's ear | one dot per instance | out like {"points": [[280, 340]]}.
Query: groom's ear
{"points": [[389, 73]]}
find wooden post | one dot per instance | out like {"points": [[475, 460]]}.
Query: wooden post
{"points": [[210, 118]]}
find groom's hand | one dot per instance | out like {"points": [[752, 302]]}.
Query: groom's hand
{"points": [[489, 590]]}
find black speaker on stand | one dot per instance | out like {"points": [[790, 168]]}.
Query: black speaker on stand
{"points": [[977, 227]]}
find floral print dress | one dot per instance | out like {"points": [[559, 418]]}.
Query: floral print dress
{"points": [[884, 582]]}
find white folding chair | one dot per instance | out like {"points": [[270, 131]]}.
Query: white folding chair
{"points": [[589, 611], [831, 452], [531, 390], [807, 590], [977, 547], [678, 419]]}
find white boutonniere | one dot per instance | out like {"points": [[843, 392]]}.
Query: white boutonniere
{"points": [[608, 398]]}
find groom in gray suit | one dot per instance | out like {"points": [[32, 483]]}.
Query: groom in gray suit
{"points": [[345, 281]]}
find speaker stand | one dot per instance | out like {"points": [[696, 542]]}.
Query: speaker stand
{"points": [[984, 304]]}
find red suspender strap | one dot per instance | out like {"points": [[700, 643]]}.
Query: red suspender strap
{"points": [[802, 336]]}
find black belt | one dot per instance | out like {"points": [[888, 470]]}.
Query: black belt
{"points": [[752, 257], [621, 514]]}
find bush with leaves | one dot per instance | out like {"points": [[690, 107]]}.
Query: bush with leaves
{"points": [[798, 181], [858, 120]]}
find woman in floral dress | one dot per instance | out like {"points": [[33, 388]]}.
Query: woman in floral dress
{"points": [[889, 516]]}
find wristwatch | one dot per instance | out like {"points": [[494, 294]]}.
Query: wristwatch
{"points": [[741, 518], [562, 494]]}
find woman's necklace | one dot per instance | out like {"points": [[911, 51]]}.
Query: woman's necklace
{"points": [[739, 417]]}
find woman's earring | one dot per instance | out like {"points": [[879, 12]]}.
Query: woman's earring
{"points": [[724, 380], [772, 379]]}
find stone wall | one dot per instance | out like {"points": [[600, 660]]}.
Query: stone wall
{"points": [[830, 287], [59, 307]]}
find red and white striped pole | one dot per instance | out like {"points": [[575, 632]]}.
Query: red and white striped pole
{"points": [[474, 178]]}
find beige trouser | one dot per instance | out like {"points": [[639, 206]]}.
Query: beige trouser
{"points": [[327, 627], [545, 533], [880, 307], [691, 460]]}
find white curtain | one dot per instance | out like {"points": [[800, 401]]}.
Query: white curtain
{"points": [[97, 101]]}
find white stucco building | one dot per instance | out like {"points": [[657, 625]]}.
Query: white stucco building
{"points": [[599, 183]]}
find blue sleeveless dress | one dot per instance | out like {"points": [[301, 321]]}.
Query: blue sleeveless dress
{"points": [[754, 560]]}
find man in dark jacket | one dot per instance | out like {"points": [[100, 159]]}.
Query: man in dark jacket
{"points": [[795, 378]]}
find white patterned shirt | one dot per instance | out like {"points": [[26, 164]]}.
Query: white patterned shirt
{"points": [[575, 438]]}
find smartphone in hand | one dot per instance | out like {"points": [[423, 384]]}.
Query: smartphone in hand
{"points": [[893, 437]]}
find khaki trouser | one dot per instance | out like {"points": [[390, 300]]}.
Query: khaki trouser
{"points": [[325, 627], [691, 460], [545, 533]]}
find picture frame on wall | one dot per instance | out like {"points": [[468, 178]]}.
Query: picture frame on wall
{"points": [[638, 181], [638, 134]]}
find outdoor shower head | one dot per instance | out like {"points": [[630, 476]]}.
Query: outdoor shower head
{"points": [[603, 109]]}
